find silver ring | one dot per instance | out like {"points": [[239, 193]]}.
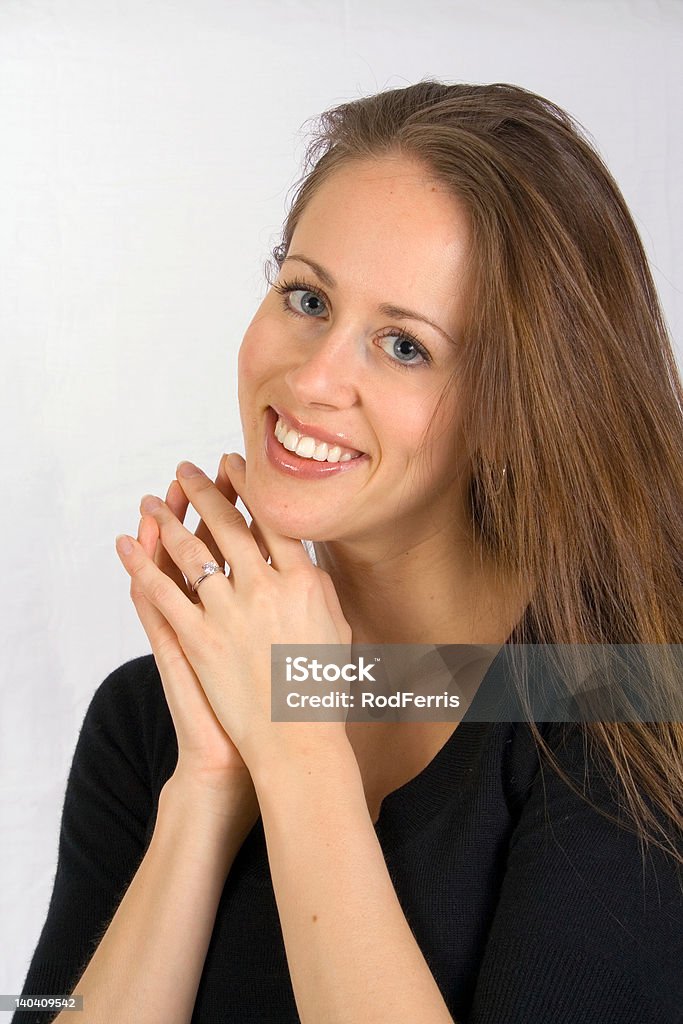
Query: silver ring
{"points": [[208, 569]]}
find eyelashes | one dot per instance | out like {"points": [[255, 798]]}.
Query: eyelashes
{"points": [[286, 287]]}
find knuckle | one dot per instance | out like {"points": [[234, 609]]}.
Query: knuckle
{"points": [[191, 550], [168, 648], [228, 516], [137, 587], [158, 591], [304, 578], [135, 569], [201, 482], [261, 600]]}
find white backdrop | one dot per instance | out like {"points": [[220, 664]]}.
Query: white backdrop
{"points": [[147, 150]]}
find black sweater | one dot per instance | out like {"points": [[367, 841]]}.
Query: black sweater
{"points": [[529, 906]]}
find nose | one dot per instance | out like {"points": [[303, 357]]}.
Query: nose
{"points": [[330, 371]]}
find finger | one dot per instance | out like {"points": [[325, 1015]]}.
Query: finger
{"points": [[148, 535], [255, 530], [153, 622], [151, 586], [181, 686], [203, 532], [226, 523], [188, 552], [178, 503], [285, 552]]}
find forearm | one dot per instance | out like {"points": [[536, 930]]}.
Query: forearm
{"points": [[352, 956], [148, 965]]}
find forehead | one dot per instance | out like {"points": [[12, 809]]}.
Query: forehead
{"points": [[388, 217]]}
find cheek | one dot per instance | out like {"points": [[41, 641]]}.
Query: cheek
{"points": [[248, 358], [250, 373], [422, 423], [261, 352], [438, 435]]}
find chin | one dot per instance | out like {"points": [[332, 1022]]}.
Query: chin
{"points": [[270, 512], [300, 528], [291, 515]]}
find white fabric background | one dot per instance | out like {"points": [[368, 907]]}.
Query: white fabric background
{"points": [[147, 149]]}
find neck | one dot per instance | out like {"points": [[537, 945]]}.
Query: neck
{"points": [[431, 592]]}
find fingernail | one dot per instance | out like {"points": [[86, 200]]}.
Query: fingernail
{"points": [[188, 469], [124, 544], [234, 461], [150, 502]]}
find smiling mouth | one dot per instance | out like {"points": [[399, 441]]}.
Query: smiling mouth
{"points": [[308, 447], [302, 456]]}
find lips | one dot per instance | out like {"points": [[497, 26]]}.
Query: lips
{"points": [[293, 465], [310, 430]]}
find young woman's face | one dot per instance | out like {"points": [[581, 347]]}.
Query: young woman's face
{"points": [[327, 355]]}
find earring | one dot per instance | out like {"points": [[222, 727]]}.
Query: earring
{"points": [[502, 474]]}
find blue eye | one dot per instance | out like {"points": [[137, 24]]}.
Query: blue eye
{"points": [[403, 339], [315, 309], [313, 302]]}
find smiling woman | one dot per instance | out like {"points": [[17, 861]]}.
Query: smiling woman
{"points": [[342, 365], [460, 391]]}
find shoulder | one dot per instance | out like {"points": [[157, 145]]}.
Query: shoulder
{"points": [[135, 682], [574, 846], [591, 914], [580, 789]]}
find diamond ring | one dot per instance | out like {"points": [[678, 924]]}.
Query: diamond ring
{"points": [[208, 569]]}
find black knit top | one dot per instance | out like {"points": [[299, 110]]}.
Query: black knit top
{"points": [[529, 906]]}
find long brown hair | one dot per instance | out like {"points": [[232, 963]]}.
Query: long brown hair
{"points": [[571, 383]]}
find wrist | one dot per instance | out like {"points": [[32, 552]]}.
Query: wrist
{"points": [[226, 804], [200, 825], [320, 753], [229, 783]]}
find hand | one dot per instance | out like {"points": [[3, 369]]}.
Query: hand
{"points": [[178, 502], [206, 754], [226, 638]]}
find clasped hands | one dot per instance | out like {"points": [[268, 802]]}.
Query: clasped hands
{"points": [[213, 649]]}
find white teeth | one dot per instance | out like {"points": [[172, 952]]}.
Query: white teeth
{"points": [[305, 447], [291, 440], [308, 447]]}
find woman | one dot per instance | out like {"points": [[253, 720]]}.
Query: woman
{"points": [[463, 310]]}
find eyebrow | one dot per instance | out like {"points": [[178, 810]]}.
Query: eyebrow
{"points": [[386, 309]]}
